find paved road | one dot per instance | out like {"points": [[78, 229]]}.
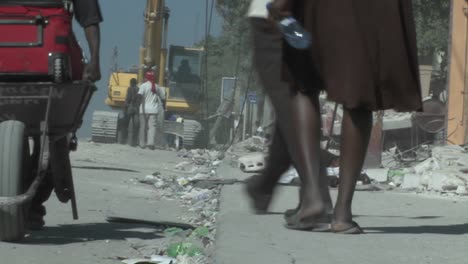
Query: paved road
{"points": [[401, 228], [100, 193]]}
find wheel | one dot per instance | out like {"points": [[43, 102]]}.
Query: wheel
{"points": [[12, 157], [58, 70]]}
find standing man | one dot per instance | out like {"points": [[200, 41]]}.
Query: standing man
{"points": [[151, 97], [88, 15], [132, 104]]}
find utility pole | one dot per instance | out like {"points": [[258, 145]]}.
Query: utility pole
{"points": [[457, 115]]}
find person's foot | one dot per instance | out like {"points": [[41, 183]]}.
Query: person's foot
{"points": [[152, 147], [348, 228], [260, 199], [35, 220], [316, 223]]}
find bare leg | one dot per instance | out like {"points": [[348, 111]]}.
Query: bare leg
{"points": [[304, 145], [298, 116], [357, 125], [260, 187]]}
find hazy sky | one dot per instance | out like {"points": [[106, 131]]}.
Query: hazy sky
{"points": [[123, 27]]}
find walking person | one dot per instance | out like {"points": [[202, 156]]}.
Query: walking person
{"points": [[294, 142], [151, 96], [364, 56]]}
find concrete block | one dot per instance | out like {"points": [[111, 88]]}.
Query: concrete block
{"points": [[411, 181], [378, 175], [253, 162]]}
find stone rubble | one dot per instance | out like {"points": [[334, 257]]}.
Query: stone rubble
{"points": [[445, 171], [176, 184]]}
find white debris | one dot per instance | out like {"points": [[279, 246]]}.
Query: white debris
{"points": [[289, 176], [333, 171], [253, 144], [183, 165], [378, 175], [139, 261], [462, 190], [253, 162], [163, 259], [411, 181], [445, 180], [445, 171], [151, 178]]}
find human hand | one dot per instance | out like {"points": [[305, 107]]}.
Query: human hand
{"points": [[92, 72]]}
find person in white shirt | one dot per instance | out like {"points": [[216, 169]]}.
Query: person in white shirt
{"points": [[151, 98], [290, 143]]}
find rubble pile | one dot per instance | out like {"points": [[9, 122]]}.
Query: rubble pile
{"points": [[445, 171], [253, 144], [182, 183]]}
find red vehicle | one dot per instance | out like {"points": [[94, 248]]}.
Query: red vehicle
{"points": [[41, 98], [37, 42]]}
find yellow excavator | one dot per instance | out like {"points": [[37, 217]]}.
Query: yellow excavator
{"points": [[178, 69]]}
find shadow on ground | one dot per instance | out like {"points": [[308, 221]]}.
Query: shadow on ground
{"points": [[68, 234], [460, 229]]}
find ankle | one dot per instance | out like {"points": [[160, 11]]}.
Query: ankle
{"points": [[342, 215]]}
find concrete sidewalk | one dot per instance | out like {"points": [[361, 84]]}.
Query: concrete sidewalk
{"points": [[400, 228]]}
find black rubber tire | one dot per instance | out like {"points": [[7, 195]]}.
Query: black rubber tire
{"points": [[59, 70], [12, 224]]}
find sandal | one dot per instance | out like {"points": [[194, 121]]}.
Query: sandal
{"points": [[352, 228], [320, 223]]}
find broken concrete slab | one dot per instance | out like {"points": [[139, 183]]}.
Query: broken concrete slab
{"points": [[445, 180], [411, 181], [378, 175], [462, 190]]}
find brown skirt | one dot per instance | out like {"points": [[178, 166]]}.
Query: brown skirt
{"points": [[363, 53]]}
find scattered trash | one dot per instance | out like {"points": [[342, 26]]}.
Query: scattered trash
{"points": [[172, 231], [333, 171], [378, 175], [253, 144], [289, 176], [163, 259], [139, 261], [201, 232], [183, 248]]}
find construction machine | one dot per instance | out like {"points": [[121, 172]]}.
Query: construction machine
{"points": [[178, 70]]}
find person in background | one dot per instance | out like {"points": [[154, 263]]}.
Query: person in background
{"points": [[88, 14], [131, 112], [151, 97]]}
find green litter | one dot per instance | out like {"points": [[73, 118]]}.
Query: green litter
{"points": [[183, 249], [201, 232], [172, 231]]}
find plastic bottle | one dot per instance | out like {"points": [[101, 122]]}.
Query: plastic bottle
{"points": [[294, 34]]}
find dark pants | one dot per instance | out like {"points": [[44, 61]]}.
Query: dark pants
{"points": [[130, 124]]}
